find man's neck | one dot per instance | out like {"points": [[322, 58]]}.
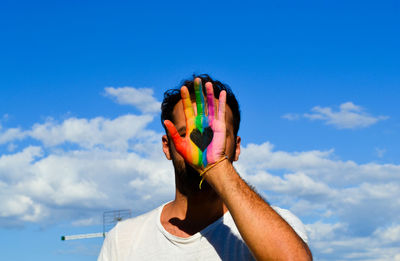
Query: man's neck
{"points": [[187, 215]]}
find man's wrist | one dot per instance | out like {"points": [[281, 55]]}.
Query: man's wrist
{"points": [[209, 167], [221, 175]]}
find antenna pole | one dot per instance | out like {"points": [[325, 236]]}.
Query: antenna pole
{"points": [[82, 236]]}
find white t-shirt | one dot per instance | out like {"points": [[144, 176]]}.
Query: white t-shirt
{"points": [[144, 238]]}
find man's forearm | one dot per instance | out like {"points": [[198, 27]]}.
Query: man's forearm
{"points": [[267, 235]]}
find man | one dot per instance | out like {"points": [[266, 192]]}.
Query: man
{"points": [[215, 215]]}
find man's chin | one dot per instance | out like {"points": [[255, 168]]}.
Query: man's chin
{"points": [[188, 180]]}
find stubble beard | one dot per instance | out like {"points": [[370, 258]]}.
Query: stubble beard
{"points": [[187, 178]]}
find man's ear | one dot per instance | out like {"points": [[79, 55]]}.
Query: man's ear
{"points": [[237, 148], [165, 147]]}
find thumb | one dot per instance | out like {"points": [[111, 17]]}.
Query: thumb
{"points": [[176, 138]]}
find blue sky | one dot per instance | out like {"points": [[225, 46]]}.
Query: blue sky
{"points": [[318, 84]]}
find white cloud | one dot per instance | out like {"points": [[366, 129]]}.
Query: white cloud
{"points": [[113, 134], [11, 135], [389, 234], [86, 222], [11, 147], [349, 116], [141, 98], [19, 206], [41, 181], [291, 116], [324, 231], [86, 164]]}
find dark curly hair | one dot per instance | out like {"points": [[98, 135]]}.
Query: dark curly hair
{"points": [[173, 96]]}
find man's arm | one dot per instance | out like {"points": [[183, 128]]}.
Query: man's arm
{"points": [[265, 232]]}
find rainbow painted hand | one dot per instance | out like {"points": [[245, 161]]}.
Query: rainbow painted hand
{"points": [[204, 141]]}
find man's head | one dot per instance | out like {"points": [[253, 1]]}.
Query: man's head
{"points": [[173, 96], [187, 179]]}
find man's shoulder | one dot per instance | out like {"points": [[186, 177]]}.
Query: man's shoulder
{"points": [[121, 238], [139, 221], [140, 226], [293, 221]]}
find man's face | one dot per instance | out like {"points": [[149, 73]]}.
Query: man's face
{"points": [[187, 178]]}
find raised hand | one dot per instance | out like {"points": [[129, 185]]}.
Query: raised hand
{"points": [[204, 141]]}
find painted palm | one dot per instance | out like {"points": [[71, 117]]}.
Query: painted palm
{"points": [[204, 141]]}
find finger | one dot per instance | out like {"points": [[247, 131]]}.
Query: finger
{"points": [[187, 103], [198, 90], [221, 105], [210, 99], [176, 138]]}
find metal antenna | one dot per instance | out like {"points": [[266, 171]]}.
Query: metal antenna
{"points": [[110, 219]]}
